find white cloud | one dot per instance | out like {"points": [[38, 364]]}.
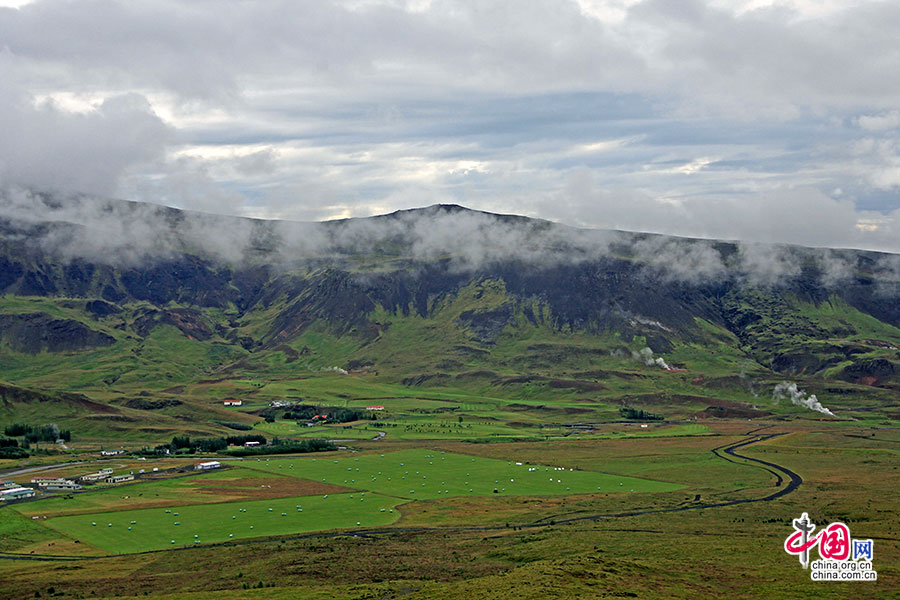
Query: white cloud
{"points": [[880, 122]]}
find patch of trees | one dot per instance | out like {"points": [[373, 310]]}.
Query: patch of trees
{"points": [[235, 426], [638, 414], [186, 444], [305, 412], [9, 448], [240, 440], [147, 404], [285, 447], [13, 452], [183, 444], [302, 412], [38, 433]]}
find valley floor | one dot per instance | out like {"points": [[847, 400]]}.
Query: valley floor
{"points": [[707, 517]]}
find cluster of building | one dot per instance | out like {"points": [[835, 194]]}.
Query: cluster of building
{"points": [[95, 477], [106, 475], [55, 484], [10, 490]]}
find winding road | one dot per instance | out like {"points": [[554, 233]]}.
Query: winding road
{"points": [[794, 482]]}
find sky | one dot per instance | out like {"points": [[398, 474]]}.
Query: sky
{"points": [[758, 120]]}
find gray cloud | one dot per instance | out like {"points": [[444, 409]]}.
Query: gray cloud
{"points": [[774, 124], [186, 183], [208, 48], [46, 147], [803, 216], [262, 162]]}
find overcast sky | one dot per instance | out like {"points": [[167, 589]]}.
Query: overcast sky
{"points": [[739, 119]]}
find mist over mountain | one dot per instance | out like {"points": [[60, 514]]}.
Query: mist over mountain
{"points": [[481, 279], [77, 227]]}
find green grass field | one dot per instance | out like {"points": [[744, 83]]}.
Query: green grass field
{"points": [[422, 474], [336, 432], [439, 427], [104, 519], [205, 488], [155, 529]]}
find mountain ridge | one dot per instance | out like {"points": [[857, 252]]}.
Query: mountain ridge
{"points": [[428, 297]]}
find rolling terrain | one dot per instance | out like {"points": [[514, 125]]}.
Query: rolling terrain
{"points": [[502, 307], [610, 413]]}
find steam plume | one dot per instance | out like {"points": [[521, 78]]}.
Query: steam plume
{"points": [[646, 357], [334, 370], [789, 391]]}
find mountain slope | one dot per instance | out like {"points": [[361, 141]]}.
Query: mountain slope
{"points": [[500, 306]]}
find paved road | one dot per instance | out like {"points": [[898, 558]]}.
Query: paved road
{"points": [[40, 468]]}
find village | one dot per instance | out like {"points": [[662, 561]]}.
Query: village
{"points": [[12, 492]]}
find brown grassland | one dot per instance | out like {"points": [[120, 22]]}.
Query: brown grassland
{"points": [[534, 547]]}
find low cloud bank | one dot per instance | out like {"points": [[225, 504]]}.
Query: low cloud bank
{"points": [[78, 226]]}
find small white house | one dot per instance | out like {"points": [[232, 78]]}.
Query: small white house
{"points": [[119, 478], [98, 476], [251, 444], [42, 481], [63, 485], [206, 466], [233, 402], [55, 484]]}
